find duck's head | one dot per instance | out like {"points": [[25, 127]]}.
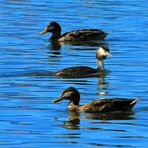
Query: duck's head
{"points": [[52, 27], [71, 94], [103, 52]]}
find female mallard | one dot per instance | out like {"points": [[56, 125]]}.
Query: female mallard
{"points": [[96, 106], [75, 35], [84, 71]]}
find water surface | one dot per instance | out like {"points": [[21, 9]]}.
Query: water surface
{"points": [[28, 118]]}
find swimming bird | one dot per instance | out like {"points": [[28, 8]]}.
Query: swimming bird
{"points": [[84, 71], [96, 106], [75, 35]]}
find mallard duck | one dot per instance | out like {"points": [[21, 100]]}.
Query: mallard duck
{"points": [[75, 35], [84, 71], [96, 106]]}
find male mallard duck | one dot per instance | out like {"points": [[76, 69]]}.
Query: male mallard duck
{"points": [[75, 35], [96, 106], [84, 71]]}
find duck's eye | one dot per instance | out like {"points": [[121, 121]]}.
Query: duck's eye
{"points": [[67, 95], [49, 25], [51, 28]]}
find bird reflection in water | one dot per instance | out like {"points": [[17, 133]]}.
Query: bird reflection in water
{"points": [[74, 121], [111, 116], [54, 50], [102, 83], [82, 43], [75, 118], [55, 45]]}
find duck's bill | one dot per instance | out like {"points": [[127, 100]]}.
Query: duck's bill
{"points": [[57, 100], [44, 31]]}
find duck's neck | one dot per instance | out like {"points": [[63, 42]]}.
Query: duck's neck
{"points": [[55, 35], [75, 99], [100, 65], [72, 107], [74, 104]]}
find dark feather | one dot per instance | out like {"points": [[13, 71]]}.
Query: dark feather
{"points": [[73, 72], [84, 34]]}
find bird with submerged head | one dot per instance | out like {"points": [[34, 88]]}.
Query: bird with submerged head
{"points": [[85, 71], [75, 35], [96, 106]]}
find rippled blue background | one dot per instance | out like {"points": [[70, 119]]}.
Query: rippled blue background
{"points": [[28, 118]]}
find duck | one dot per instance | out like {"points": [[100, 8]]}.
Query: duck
{"points": [[85, 71], [75, 35], [96, 106]]}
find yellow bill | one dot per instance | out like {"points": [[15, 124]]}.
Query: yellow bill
{"points": [[44, 31]]}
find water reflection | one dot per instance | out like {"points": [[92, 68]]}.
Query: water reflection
{"points": [[73, 122], [75, 118], [28, 86], [101, 77], [110, 116], [54, 45], [86, 45], [102, 84], [90, 44]]}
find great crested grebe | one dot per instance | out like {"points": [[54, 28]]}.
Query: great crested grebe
{"points": [[85, 71]]}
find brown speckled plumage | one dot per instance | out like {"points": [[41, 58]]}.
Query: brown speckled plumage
{"points": [[74, 35], [96, 106]]}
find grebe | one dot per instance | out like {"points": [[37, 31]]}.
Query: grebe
{"points": [[85, 71]]}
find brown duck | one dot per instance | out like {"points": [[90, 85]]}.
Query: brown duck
{"points": [[75, 35], [84, 71], [96, 106]]}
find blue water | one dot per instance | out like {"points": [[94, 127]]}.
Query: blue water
{"points": [[28, 118]]}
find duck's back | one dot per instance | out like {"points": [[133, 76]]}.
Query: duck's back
{"points": [[83, 35], [75, 72], [107, 105]]}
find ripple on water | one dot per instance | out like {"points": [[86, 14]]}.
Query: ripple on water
{"points": [[27, 87]]}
